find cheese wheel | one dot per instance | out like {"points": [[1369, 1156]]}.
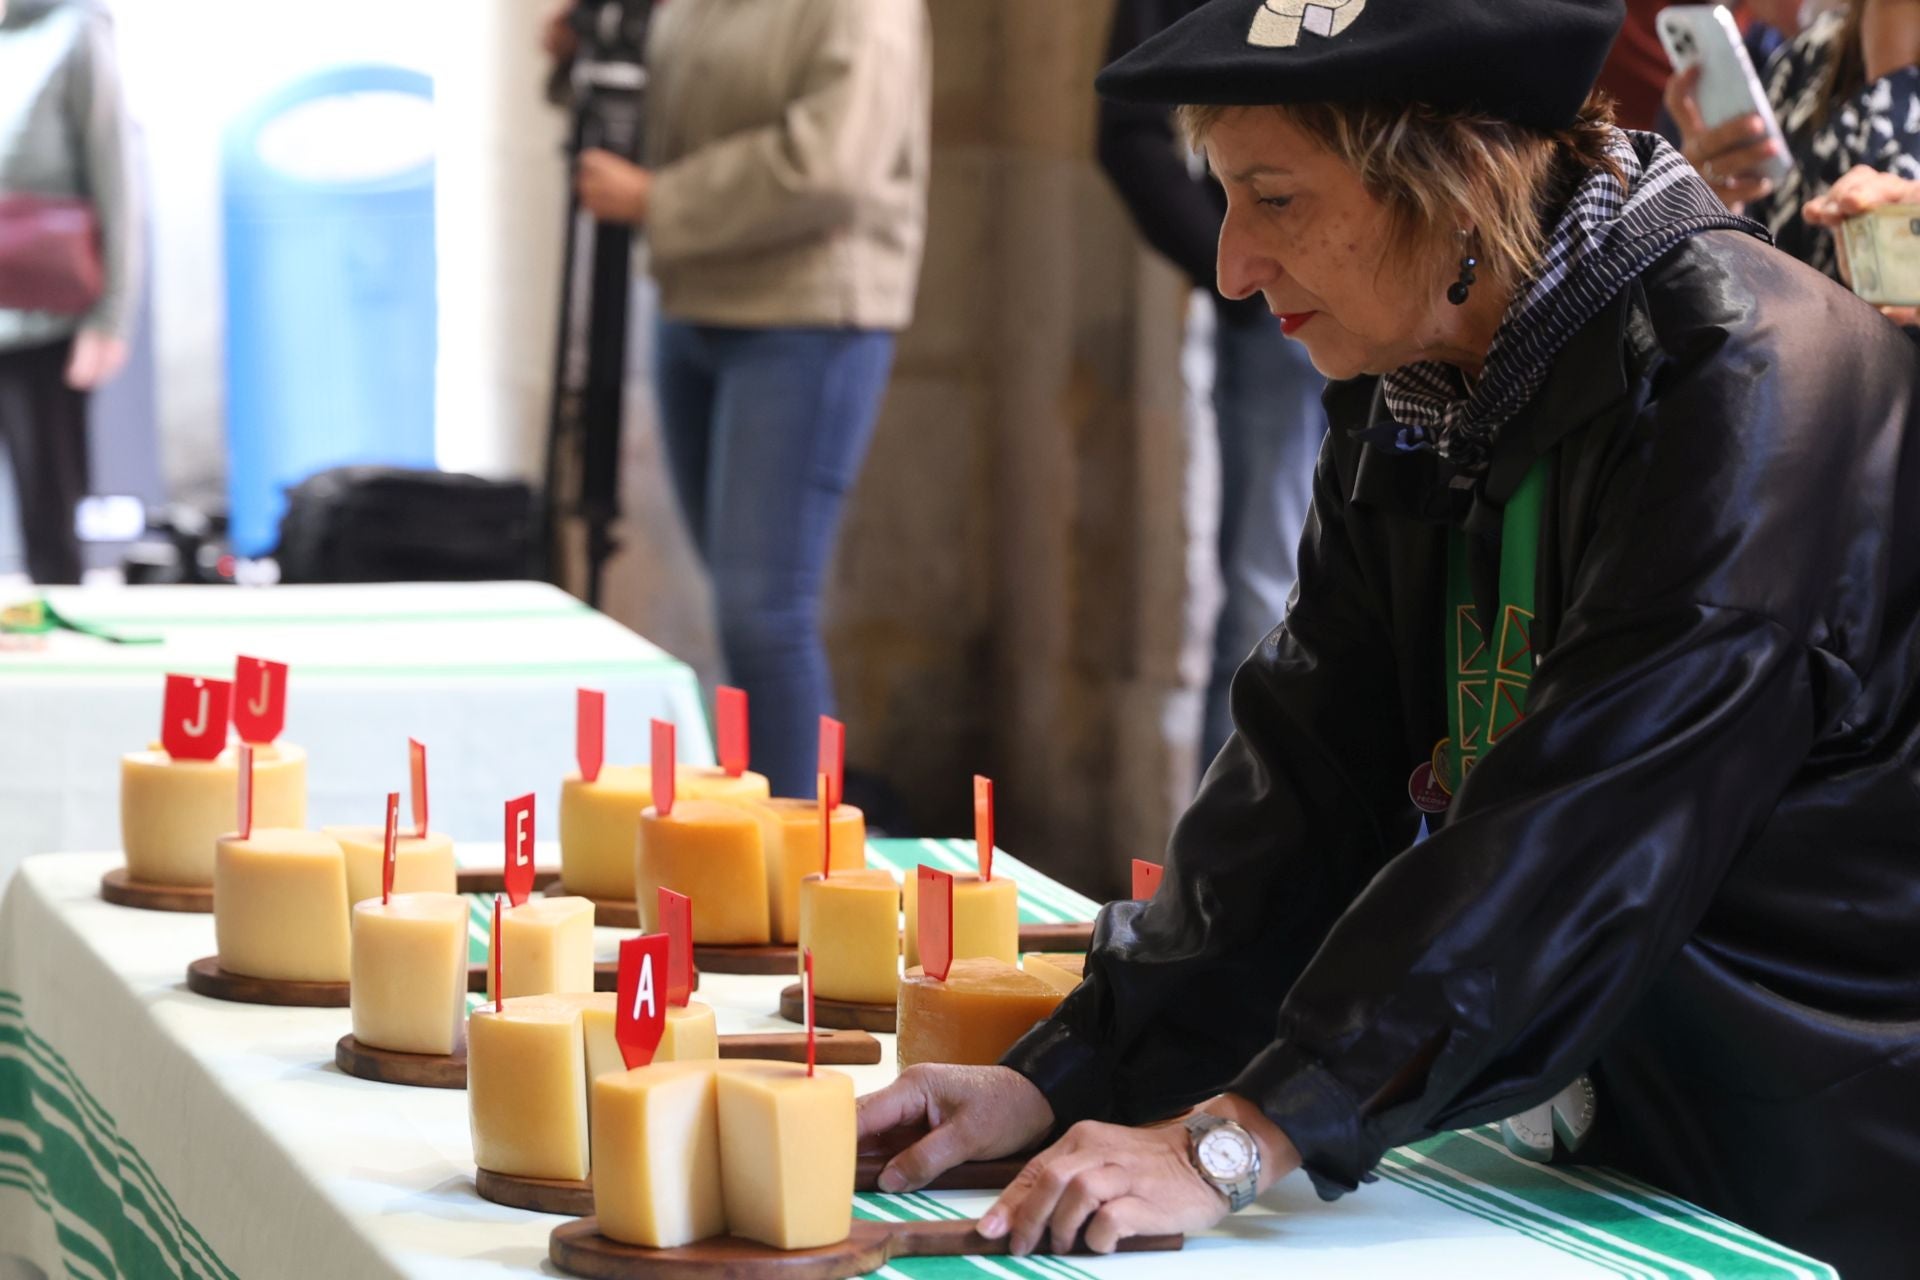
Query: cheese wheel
{"points": [[410, 972], [790, 836], [527, 1089], [851, 923], [600, 820], [421, 864], [546, 946], [787, 1147], [280, 906], [986, 918], [657, 1129], [973, 1017], [1061, 970], [712, 852], [172, 811]]}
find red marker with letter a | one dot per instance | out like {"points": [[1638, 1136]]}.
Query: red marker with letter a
{"points": [[193, 717], [730, 711], [663, 770], [936, 922], [983, 824], [259, 699], [519, 846], [1146, 879], [640, 1010], [589, 732]]}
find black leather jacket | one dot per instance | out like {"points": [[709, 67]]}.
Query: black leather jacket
{"points": [[1694, 868]]}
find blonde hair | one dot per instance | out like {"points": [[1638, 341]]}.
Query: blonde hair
{"points": [[1437, 172]]}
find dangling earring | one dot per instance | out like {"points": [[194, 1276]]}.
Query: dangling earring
{"points": [[1457, 291]]}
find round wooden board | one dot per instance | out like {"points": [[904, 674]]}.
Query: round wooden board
{"points": [[757, 959], [615, 913], [122, 890], [539, 1195], [205, 977], [422, 1070], [469, 880], [842, 1015], [1056, 937]]}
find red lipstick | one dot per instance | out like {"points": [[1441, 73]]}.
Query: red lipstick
{"points": [[1290, 321]]}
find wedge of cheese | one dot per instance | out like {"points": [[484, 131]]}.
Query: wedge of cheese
{"points": [[986, 918], [527, 1089], [280, 906], [974, 1016], [851, 922], [657, 1129], [1062, 970], [546, 946], [712, 852], [410, 972], [421, 864], [790, 837], [172, 811], [600, 820]]}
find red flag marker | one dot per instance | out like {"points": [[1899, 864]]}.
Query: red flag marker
{"points": [[417, 767], [663, 769], [1146, 879], [826, 831], [590, 732], [833, 759], [730, 709], [519, 844], [676, 921], [936, 922], [244, 776], [983, 824], [193, 717], [806, 981], [640, 1015], [390, 856], [493, 953], [259, 699]]}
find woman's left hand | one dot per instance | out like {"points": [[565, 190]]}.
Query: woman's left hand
{"points": [[612, 189]]}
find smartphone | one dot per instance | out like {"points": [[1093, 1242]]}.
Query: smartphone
{"points": [[1882, 248], [1705, 36]]}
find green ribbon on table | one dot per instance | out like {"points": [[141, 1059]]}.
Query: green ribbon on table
{"points": [[38, 617]]}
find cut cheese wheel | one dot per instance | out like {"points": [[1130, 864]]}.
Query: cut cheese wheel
{"points": [[657, 1129], [973, 1017], [546, 946], [527, 1089], [986, 918], [790, 836], [172, 811], [280, 906], [690, 1035], [787, 1146], [409, 988], [600, 820], [851, 923], [1063, 971], [421, 864], [712, 852]]}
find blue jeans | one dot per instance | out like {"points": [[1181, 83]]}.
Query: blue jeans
{"points": [[1267, 412], [765, 432]]}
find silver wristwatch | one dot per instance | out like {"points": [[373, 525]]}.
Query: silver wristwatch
{"points": [[1226, 1156]]}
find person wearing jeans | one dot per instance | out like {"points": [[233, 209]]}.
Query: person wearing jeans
{"points": [[784, 206]]}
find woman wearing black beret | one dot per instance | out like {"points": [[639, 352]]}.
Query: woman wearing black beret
{"points": [[1613, 576]]}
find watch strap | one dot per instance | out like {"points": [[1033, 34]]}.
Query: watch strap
{"points": [[1241, 1191]]}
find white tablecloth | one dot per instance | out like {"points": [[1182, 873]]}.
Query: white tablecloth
{"points": [[483, 673], [147, 1131]]}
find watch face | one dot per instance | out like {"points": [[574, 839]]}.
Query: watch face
{"points": [[1225, 1154]]}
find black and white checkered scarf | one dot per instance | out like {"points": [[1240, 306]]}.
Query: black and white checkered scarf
{"points": [[1601, 240]]}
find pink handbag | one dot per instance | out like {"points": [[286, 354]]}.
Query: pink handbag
{"points": [[49, 254]]}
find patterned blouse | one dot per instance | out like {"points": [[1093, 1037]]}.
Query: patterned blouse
{"points": [[1878, 126]]}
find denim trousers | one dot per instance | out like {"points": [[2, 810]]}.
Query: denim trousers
{"points": [[1268, 416], [765, 432]]}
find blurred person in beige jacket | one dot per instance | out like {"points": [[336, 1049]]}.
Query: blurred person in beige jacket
{"points": [[784, 207]]}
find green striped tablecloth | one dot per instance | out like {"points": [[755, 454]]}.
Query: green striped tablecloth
{"points": [[148, 1132]]}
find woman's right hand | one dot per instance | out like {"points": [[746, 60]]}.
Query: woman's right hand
{"points": [[1730, 156], [936, 1117]]}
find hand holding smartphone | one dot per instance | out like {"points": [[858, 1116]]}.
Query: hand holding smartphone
{"points": [[1728, 128]]}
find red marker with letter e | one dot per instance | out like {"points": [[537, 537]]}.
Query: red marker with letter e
{"points": [[936, 922], [640, 1012], [1146, 879], [519, 844], [730, 710], [259, 699], [983, 824], [663, 769], [589, 732], [676, 921], [243, 775], [193, 717], [417, 770], [390, 856]]}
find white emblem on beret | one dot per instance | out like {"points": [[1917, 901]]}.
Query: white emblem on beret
{"points": [[1277, 24]]}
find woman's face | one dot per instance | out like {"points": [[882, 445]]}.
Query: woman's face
{"points": [[1303, 232]]}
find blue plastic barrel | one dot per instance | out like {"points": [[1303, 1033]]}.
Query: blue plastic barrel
{"points": [[328, 204]]}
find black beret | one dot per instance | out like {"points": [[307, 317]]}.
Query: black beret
{"points": [[1532, 62]]}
